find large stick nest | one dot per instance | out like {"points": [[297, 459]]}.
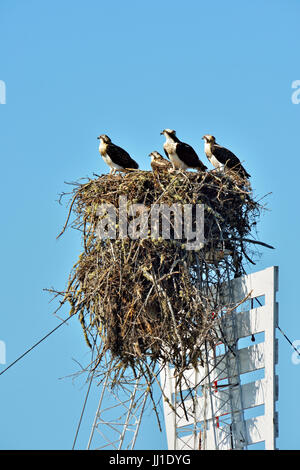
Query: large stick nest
{"points": [[152, 300]]}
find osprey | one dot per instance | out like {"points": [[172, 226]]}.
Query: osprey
{"points": [[158, 162], [115, 157], [180, 154], [220, 157]]}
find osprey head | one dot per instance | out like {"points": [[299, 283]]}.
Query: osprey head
{"points": [[154, 155], [168, 132], [104, 138], [209, 139]]}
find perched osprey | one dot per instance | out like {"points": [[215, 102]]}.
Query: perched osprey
{"points": [[220, 157], [180, 154], [115, 157], [158, 162]]}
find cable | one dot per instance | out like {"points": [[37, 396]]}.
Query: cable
{"points": [[36, 344], [83, 409], [86, 397], [298, 352], [288, 340]]}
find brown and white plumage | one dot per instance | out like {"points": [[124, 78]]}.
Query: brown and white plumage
{"points": [[220, 157], [114, 156], [181, 155], [158, 162]]}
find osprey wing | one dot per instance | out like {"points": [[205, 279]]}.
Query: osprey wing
{"points": [[166, 153], [120, 156], [226, 157], [188, 155], [161, 164]]}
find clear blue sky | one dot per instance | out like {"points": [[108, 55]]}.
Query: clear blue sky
{"points": [[76, 69]]}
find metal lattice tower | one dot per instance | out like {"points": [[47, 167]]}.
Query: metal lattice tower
{"points": [[118, 416]]}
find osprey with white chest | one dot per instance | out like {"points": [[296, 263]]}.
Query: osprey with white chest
{"points": [[181, 155], [114, 156], [221, 158]]}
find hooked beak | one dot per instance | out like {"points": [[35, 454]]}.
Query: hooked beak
{"points": [[98, 137], [162, 133]]}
